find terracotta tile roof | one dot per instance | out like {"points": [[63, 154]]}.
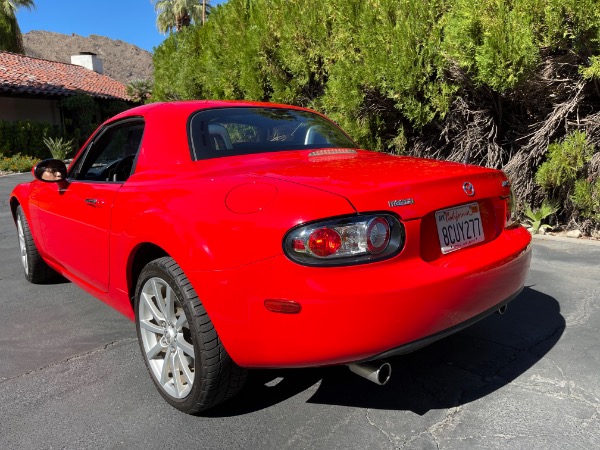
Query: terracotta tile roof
{"points": [[21, 74]]}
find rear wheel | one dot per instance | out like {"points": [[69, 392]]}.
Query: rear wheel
{"points": [[36, 269], [183, 353]]}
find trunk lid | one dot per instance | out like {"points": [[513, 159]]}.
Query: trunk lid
{"points": [[412, 187]]}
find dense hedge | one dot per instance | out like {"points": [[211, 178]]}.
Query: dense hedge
{"points": [[25, 137], [494, 81]]}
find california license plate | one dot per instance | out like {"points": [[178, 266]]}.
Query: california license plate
{"points": [[459, 227]]}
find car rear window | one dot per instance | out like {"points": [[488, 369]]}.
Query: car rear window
{"points": [[245, 130]]}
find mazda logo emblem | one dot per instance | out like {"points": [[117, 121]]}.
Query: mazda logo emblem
{"points": [[469, 189]]}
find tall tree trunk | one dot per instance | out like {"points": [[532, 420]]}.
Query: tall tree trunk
{"points": [[182, 22]]}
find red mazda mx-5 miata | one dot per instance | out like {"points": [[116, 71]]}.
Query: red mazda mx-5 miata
{"points": [[245, 235]]}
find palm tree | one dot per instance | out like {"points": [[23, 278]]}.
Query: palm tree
{"points": [[178, 14], [10, 33], [139, 90]]}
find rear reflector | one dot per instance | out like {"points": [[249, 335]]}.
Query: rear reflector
{"points": [[283, 306]]}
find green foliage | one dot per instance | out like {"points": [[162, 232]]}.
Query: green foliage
{"points": [[565, 160], [109, 108], [592, 71], [493, 40], [59, 147], [536, 217], [178, 14], [563, 175], [387, 69], [139, 90], [586, 198], [10, 33], [11, 6], [26, 137], [17, 163], [83, 114], [378, 67], [361, 62], [569, 24]]}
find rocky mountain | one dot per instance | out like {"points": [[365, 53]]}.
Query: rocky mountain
{"points": [[122, 61]]}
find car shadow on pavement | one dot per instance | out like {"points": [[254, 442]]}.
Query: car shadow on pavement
{"points": [[451, 372], [56, 278]]}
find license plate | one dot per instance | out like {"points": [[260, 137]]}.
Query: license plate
{"points": [[459, 227]]}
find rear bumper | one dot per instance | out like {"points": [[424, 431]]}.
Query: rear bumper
{"points": [[424, 342], [360, 312]]}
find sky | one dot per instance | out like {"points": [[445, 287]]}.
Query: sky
{"points": [[131, 21]]}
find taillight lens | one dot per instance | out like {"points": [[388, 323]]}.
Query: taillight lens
{"points": [[324, 242], [378, 235], [345, 240], [511, 210]]}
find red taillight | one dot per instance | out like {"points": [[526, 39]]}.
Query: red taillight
{"points": [[378, 235], [345, 240], [299, 245], [511, 219], [324, 242]]}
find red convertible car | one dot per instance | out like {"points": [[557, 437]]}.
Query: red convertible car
{"points": [[245, 235]]}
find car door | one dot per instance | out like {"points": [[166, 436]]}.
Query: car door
{"points": [[75, 216]]}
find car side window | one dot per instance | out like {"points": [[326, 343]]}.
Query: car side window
{"points": [[111, 155]]}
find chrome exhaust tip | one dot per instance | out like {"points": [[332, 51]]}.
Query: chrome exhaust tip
{"points": [[502, 309], [379, 372]]}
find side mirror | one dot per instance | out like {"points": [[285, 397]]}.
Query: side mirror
{"points": [[50, 171]]}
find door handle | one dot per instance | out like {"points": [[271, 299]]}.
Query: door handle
{"points": [[94, 202]]}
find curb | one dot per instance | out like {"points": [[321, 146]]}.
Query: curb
{"points": [[547, 237], [13, 174]]}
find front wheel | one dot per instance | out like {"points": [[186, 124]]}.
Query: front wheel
{"points": [[182, 351], [36, 269]]}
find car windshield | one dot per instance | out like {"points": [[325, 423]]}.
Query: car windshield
{"points": [[245, 130]]}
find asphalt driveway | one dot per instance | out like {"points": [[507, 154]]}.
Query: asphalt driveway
{"points": [[71, 376]]}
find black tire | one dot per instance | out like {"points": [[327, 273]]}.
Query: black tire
{"points": [[190, 383], [35, 268]]}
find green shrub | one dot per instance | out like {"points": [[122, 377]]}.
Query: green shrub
{"points": [[81, 116], [592, 71], [586, 198], [59, 147], [492, 40], [565, 160], [25, 137], [383, 69], [564, 176], [17, 163], [535, 218]]}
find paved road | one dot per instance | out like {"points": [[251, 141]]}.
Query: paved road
{"points": [[71, 376]]}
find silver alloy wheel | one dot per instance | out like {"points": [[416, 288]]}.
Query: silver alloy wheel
{"points": [[22, 245], [166, 338]]}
